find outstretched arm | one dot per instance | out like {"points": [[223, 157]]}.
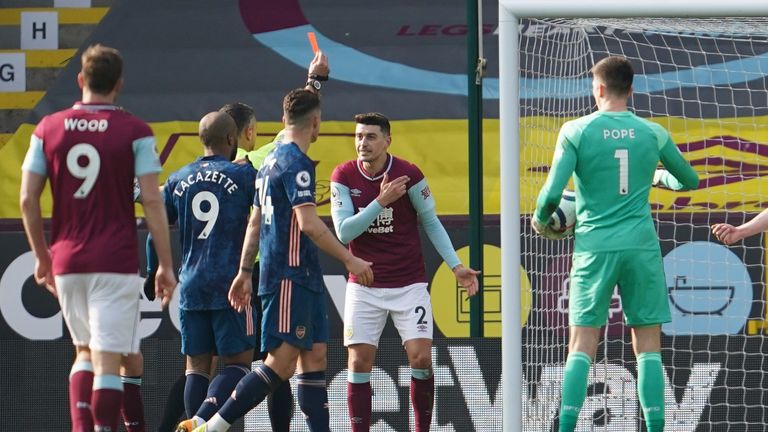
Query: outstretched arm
{"points": [[311, 225], [424, 203], [729, 234]]}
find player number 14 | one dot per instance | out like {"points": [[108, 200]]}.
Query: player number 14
{"points": [[623, 156], [267, 210]]}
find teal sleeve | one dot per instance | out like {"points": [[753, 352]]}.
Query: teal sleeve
{"points": [[684, 176], [34, 161], [152, 260], [563, 164], [145, 160], [347, 224], [425, 208]]}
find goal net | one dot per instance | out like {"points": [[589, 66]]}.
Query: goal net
{"points": [[704, 80]]}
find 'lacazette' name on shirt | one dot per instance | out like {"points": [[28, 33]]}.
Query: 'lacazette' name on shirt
{"points": [[205, 176]]}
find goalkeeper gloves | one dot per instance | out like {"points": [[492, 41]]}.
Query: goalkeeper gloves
{"points": [[546, 231], [658, 177]]}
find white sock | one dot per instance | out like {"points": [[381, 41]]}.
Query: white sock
{"points": [[217, 424]]}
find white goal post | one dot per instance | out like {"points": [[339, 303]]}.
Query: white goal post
{"points": [[511, 12]]}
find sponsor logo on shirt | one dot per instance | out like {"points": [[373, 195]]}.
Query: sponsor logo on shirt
{"points": [[355, 192], [383, 223]]}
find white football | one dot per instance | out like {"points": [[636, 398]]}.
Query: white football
{"points": [[564, 218]]}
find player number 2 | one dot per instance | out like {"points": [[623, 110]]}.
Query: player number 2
{"points": [[423, 311], [623, 156], [87, 173], [209, 216]]}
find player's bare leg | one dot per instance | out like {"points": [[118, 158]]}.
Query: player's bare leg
{"points": [[359, 394], [132, 409], [107, 394], [581, 351], [584, 340], [646, 342], [419, 353], [80, 390]]}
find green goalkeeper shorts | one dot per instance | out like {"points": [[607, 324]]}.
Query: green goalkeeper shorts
{"points": [[642, 287]]}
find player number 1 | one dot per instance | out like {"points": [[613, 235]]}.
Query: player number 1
{"points": [[209, 216], [87, 173], [623, 156]]}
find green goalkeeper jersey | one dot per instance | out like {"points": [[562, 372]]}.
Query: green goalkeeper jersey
{"points": [[613, 157]]}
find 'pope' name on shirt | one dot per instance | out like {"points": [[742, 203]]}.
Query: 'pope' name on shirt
{"points": [[208, 176]]}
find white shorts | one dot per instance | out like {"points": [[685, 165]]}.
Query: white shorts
{"points": [[366, 310], [101, 310]]}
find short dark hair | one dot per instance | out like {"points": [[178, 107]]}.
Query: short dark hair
{"points": [[298, 103], [241, 113], [374, 119], [102, 68], [616, 72]]}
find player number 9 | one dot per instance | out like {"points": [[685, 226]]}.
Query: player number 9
{"points": [[209, 216], [89, 172]]}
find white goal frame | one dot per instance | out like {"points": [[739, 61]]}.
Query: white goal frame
{"points": [[510, 12]]}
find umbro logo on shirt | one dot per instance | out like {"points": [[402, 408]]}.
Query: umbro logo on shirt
{"points": [[355, 192]]}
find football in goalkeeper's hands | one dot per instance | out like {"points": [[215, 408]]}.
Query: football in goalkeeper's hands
{"points": [[563, 220]]}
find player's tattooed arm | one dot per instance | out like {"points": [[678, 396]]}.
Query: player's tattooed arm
{"points": [[251, 243], [314, 228]]}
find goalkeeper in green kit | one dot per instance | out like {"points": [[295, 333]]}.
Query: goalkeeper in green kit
{"points": [[612, 155]]}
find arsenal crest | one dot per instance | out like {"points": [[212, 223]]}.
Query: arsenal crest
{"points": [[301, 331]]}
